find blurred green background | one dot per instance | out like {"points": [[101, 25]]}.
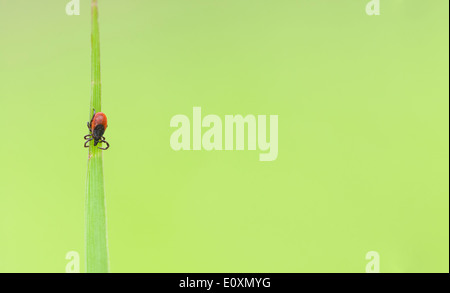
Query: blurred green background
{"points": [[363, 135]]}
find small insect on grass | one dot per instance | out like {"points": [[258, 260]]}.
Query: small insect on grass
{"points": [[97, 128]]}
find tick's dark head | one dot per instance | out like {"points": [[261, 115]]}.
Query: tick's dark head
{"points": [[98, 132]]}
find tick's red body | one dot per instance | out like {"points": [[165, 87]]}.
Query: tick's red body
{"points": [[99, 119], [97, 128]]}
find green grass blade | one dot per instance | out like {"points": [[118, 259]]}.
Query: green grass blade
{"points": [[95, 207]]}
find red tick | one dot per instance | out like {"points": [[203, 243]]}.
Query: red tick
{"points": [[97, 128]]}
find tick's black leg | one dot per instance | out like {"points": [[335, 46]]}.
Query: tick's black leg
{"points": [[87, 136], [88, 140], [89, 126], [107, 145]]}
